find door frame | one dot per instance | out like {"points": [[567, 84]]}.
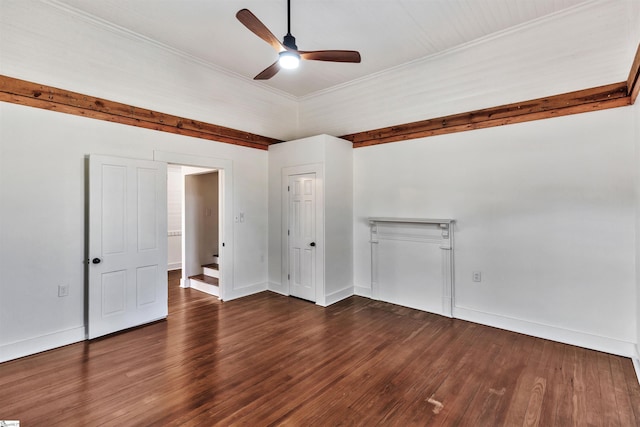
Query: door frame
{"points": [[318, 170], [225, 197]]}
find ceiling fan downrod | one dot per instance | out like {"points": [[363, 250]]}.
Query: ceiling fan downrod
{"points": [[289, 41]]}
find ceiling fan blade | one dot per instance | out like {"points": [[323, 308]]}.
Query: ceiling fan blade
{"points": [[256, 26], [268, 72], [331, 55]]}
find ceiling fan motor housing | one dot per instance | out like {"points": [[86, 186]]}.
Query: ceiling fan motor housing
{"points": [[290, 42]]}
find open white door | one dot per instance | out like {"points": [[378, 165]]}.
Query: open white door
{"points": [[127, 243], [302, 236]]}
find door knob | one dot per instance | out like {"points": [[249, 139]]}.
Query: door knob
{"points": [[312, 244], [96, 260]]}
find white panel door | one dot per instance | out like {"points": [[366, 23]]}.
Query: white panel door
{"points": [[302, 236], [127, 243]]}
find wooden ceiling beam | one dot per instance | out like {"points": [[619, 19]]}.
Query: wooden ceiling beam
{"points": [[603, 97], [582, 101], [49, 98]]}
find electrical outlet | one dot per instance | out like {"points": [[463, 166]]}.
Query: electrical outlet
{"points": [[63, 290], [477, 276]]}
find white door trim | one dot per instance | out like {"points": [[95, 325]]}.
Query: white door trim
{"points": [[226, 212], [318, 169]]}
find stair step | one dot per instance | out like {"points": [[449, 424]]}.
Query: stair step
{"points": [[206, 279], [211, 270], [213, 265], [207, 284]]}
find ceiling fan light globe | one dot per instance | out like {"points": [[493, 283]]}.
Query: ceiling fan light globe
{"points": [[289, 60]]}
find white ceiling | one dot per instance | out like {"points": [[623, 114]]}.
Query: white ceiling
{"points": [[387, 33]]}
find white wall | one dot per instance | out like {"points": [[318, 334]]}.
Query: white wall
{"points": [[338, 219], [545, 210], [634, 17], [175, 191], [192, 265], [42, 217], [636, 118], [209, 245]]}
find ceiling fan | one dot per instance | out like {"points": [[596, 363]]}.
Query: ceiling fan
{"points": [[288, 54]]}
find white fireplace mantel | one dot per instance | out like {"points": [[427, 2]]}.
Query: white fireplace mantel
{"points": [[412, 262]]}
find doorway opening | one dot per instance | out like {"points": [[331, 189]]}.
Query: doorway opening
{"points": [[193, 222], [202, 226]]}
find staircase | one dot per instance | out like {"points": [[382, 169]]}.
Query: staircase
{"points": [[208, 281]]}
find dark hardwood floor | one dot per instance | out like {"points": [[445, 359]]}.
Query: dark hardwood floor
{"points": [[272, 360]]}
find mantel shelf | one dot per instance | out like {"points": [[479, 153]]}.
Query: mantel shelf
{"points": [[411, 220]]}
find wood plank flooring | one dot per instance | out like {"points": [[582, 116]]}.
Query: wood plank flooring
{"points": [[272, 360]]}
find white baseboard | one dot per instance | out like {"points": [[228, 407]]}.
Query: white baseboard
{"points": [[174, 266], [279, 293], [278, 288], [334, 297], [42, 343], [231, 294], [328, 300], [553, 333], [636, 367], [362, 291], [636, 362]]}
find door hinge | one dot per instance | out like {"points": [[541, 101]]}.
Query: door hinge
{"points": [[288, 277], [288, 233], [288, 188]]}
